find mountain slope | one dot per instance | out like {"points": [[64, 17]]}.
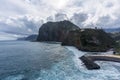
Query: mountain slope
{"points": [[89, 40]]}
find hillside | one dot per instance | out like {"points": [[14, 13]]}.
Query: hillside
{"points": [[117, 48], [66, 32], [29, 38], [89, 40], [116, 36]]}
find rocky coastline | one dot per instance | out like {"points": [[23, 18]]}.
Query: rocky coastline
{"points": [[91, 40]]}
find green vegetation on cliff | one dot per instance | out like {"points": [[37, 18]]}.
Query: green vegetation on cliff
{"points": [[89, 40], [117, 48], [116, 37], [70, 34]]}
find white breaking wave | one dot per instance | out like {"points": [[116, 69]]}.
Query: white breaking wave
{"points": [[108, 70], [77, 54], [70, 67]]}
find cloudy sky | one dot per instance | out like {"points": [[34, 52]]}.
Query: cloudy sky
{"points": [[28, 15]]}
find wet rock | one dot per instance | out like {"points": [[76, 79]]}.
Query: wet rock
{"points": [[90, 65]]}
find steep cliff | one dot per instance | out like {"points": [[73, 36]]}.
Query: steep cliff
{"points": [[89, 40], [55, 31], [69, 34]]}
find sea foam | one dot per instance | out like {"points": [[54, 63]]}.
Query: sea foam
{"points": [[77, 54]]}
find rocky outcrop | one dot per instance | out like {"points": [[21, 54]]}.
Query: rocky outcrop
{"points": [[94, 40], [55, 31], [89, 63]]}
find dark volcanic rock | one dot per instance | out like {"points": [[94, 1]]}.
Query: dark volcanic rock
{"points": [[89, 63], [93, 40], [55, 31]]}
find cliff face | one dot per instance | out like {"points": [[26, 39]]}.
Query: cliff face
{"points": [[55, 31], [89, 40], [69, 34]]}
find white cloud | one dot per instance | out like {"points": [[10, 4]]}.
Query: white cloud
{"points": [[79, 19], [21, 14], [57, 17], [21, 25]]}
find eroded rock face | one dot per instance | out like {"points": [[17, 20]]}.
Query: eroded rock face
{"points": [[55, 31], [94, 40]]}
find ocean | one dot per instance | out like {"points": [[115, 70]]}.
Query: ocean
{"points": [[24, 60]]}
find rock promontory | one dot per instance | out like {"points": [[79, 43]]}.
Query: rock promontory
{"points": [[93, 40], [55, 31], [69, 34]]}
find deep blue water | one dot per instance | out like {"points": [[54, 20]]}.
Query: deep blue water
{"points": [[22, 60]]}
